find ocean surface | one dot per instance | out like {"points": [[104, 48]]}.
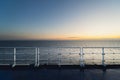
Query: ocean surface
{"points": [[63, 53], [47, 43]]}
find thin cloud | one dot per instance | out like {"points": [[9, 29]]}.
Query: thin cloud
{"points": [[72, 37]]}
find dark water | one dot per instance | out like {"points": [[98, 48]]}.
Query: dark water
{"points": [[85, 43], [62, 74]]}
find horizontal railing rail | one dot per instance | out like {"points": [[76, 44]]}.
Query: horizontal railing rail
{"points": [[60, 56]]}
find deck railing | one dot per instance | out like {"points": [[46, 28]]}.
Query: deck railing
{"points": [[59, 56]]}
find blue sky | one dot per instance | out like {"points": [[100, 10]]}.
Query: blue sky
{"points": [[59, 19]]}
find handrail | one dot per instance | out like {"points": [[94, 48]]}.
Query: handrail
{"points": [[37, 57]]}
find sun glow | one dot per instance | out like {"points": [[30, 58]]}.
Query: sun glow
{"points": [[66, 20]]}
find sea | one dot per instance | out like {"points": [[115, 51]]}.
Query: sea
{"points": [[60, 43], [62, 52]]}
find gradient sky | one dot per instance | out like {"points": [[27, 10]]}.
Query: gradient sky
{"points": [[59, 19]]}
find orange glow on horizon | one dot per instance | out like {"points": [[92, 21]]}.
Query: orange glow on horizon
{"points": [[73, 37]]}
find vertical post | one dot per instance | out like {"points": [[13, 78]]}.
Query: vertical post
{"points": [[48, 58], [14, 60], [69, 58], [38, 57], [103, 60], [36, 52], [81, 57], [59, 57]]}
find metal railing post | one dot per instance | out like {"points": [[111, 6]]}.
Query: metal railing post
{"points": [[59, 56], [81, 57], [14, 58], [38, 57], [103, 60], [36, 52], [48, 58]]}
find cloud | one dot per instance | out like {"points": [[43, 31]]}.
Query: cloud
{"points": [[72, 37]]}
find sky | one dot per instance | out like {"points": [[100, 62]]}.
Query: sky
{"points": [[59, 19]]}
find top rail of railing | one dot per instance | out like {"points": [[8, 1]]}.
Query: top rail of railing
{"points": [[59, 47]]}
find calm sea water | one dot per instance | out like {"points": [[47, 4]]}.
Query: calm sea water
{"points": [[82, 43]]}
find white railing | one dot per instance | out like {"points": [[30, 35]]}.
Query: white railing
{"points": [[59, 56]]}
